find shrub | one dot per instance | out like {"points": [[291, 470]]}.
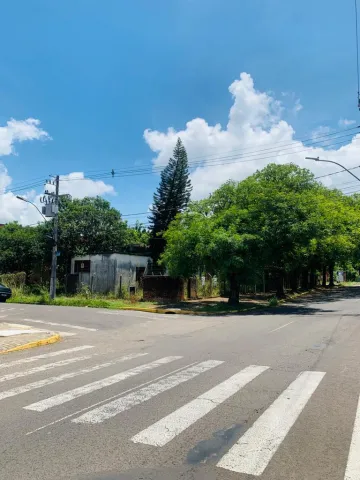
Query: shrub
{"points": [[273, 302], [13, 280]]}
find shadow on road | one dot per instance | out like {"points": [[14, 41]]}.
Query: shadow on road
{"points": [[310, 304], [315, 303]]}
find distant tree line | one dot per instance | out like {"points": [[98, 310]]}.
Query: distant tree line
{"points": [[86, 226]]}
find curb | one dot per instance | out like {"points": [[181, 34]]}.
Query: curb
{"points": [[189, 312], [45, 341]]}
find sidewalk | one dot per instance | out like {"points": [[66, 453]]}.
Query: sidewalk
{"points": [[14, 337]]}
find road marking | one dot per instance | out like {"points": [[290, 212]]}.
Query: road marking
{"points": [[45, 355], [66, 334], [64, 376], [353, 464], [282, 326], [77, 327], [98, 385], [161, 432], [133, 314], [254, 450], [43, 368], [109, 410], [105, 400]]}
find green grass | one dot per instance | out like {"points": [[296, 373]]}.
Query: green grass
{"points": [[77, 301]]}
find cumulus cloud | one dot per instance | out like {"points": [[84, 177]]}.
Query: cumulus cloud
{"points": [[78, 186], [75, 184], [13, 132], [19, 131], [256, 134], [13, 209]]}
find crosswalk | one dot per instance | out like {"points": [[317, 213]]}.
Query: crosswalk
{"points": [[251, 453], [16, 315]]}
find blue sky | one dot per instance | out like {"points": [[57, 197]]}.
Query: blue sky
{"points": [[98, 74]]}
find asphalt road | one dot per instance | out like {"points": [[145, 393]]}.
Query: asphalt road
{"points": [[129, 395]]}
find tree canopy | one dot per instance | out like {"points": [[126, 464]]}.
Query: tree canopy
{"points": [[278, 220], [86, 226]]}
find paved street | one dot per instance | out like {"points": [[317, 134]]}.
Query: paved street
{"points": [[130, 395]]}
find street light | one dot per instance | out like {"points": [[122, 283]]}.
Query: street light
{"points": [[317, 159], [31, 203]]}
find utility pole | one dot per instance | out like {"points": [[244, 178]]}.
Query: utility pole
{"points": [[51, 210], [55, 240]]}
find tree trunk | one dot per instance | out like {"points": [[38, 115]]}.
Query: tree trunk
{"points": [[294, 281], [234, 290], [324, 270], [312, 279], [331, 273], [280, 292], [305, 279]]}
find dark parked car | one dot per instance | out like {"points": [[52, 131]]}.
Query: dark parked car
{"points": [[5, 293]]}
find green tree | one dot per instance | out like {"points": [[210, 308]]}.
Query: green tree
{"points": [[138, 235], [171, 197], [86, 226], [21, 248], [89, 226], [279, 220], [196, 242]]}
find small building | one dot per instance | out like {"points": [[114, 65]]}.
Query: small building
{"points": [[105, 273]]}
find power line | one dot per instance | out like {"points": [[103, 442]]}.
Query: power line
{"points": [[26, 187], [335, 173], [213, 162], [275, 146], [206, 161]]}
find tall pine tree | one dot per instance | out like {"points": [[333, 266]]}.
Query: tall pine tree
{"points": [[170, 198]]}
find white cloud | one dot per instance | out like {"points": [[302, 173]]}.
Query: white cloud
{"points": [[14, 131], [297, 106], [344, 122], [11, 208], [255, 135], [75, 184], [78, 186], [19, 131]]}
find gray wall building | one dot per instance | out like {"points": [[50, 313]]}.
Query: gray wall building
{"points": [[109, 272]]}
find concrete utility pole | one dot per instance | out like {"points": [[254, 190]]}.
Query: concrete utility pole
{"points": [[55, 239], [317, 159]]}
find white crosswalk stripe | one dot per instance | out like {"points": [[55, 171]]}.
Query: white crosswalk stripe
{"points": [[44, 368], [119, 405], [353, 464], [252, 453], [54, 324], [92, 387], [44, 355], [172, 425], [65, 376]]}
